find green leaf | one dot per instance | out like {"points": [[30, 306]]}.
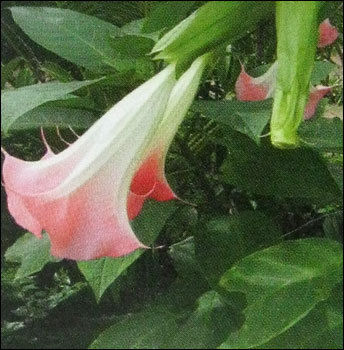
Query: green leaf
{"points": [[166, 14], [102, 272], [207, 326], [222, 241], [291, 173], [249, 118], [323, 134], [185, 262], [16, 102], [321, 71], [32, 254], [152, 220], [149, 329], [79, 38], [322, 328], [44, 116], [282, 285], [159, 326], [131, 46], [333, 226]]}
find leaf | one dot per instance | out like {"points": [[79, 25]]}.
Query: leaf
{"points": [[222, 241], [166, 14], [322, 328], [100, 273], [207, 326], [152, 220], [16, 102], [79, 38], [32, 254], [158, 326], [323, 134], [249, 118], [44, 116], [321, 71], [131, 46], [333, 226], [185, 262], [282, 285], [290, 173]]}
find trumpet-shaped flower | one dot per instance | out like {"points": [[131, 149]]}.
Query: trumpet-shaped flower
{"points": [[84, 196], [248, 88]]}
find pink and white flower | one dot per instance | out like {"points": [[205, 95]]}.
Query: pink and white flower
{"points": [[85, 196]]}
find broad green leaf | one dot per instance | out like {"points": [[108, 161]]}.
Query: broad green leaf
{"points": [[321, 71], [184, 260], [149, 329], [292, 173], [222, 241], [100, 273], [32, 254], [323, 134], [45, 116], [211, 25], [249, 118], [152, 220], [322, 328], [159, 326], [166, 14], [282, 284], [207, 326], [81, 39], [16, 102]]}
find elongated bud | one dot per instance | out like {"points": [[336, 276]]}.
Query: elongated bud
{"points": [[213, 24], [297, 36]]}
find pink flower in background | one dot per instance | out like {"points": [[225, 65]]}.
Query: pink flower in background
{"points": [[84, 196], [315, 95], [327, 33], [248, 88]]}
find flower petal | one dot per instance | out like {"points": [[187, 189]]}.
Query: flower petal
{"points": [[248, 88], [315, 95]]}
